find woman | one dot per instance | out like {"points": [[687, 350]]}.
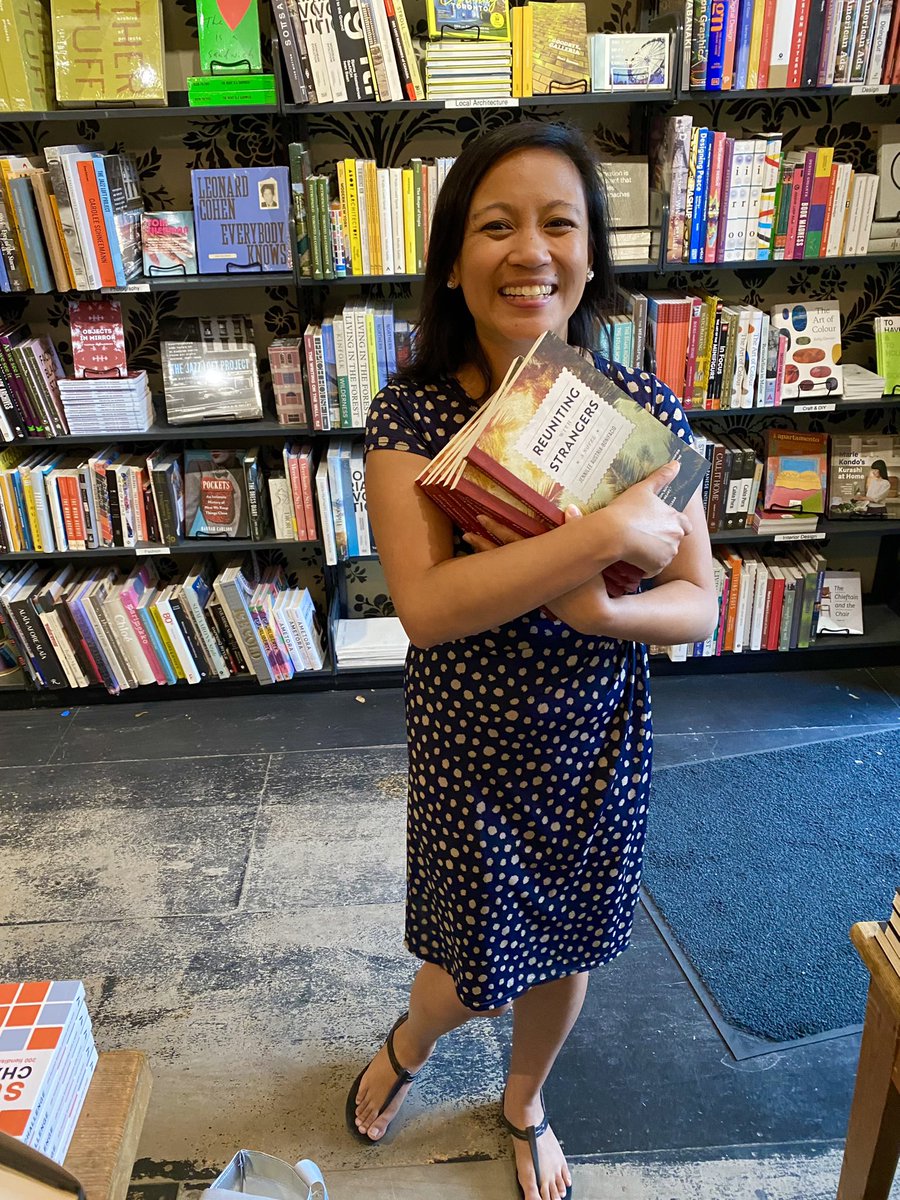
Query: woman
{"points": [[529, 734], [878, 484]]}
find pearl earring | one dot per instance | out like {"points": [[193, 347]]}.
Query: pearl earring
{"points": [[451, 283], [590, 275]]}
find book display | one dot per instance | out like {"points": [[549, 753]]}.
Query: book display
{"points": [[202, 490]]}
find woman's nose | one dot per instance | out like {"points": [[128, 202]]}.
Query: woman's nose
{"points": [[530, 246]]}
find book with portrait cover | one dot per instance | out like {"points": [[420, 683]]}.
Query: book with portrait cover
{"points": [[864, 477], [215, 494], [556, 432], [242, 219]]}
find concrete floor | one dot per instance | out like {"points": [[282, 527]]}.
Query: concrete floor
{"points": [[226, 876]]}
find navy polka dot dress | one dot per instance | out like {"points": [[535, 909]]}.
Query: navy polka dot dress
{"points": [[529, 766]]}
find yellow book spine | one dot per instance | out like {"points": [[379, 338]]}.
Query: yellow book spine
{"points": [[527, 50], [62, 238], [11, 512], [371, 354], [6, 169], [353, 228], [515, 19], [409, 221], [756, 32], [31, 509], [373, 218], [169, 648]]}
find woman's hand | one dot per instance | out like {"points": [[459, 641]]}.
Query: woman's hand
{"points": [[585, 608], [649, 531]]}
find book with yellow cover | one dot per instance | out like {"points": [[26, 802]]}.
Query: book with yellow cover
{"points": [[26, 58], [559, 49], [108, 54], [556, 432], [474, 19]]}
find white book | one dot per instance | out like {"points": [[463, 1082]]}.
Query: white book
{"points": [[360, 511], [364, 232], [352, 364], [80, 217], [379, 15], [94, 600], [709, 646], [278, 614], [282, 511], [338, 499], [839, 205], [385, 217], [758, 397], [431, 174], [233, 600], [738, 209], [858, 206], [867, 212], [302, 614], [398, 252], [173, 629], [326, 518], [757, 176], [841, 609], [745, 600], [327, 15], [53, 501], [782, 37], [759, 605], [191, 602], [340, 351], [310, 16], [878, 44]]}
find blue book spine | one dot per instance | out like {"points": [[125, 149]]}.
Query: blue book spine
{"points": [[242, 220], [5, 285], [329, 355], [697, 243], [715, 61], [742, 48], [381, 348], [156, 642], [390, 337], [347, 491], [19, 491], [109, 220], [22, 196]]}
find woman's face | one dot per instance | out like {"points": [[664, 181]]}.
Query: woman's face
{"points": [[876, 471], [525, 253]]}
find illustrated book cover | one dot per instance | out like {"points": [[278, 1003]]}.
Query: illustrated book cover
{"points": [[796, 471], [560, 50], [812, 361], [167, 243], [215, 494], [98, 339]]}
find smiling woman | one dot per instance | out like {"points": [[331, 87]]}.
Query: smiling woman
{"points": [[526, 684]]}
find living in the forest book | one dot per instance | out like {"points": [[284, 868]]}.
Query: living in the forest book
{"points": [[241, 219], [557, 432]]}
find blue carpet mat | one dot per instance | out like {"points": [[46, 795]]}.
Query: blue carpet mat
{"points": [[760, 864]]}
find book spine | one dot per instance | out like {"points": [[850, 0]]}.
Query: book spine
{"points": [[715, 51], [290, 50], [87, 178], [108, 215], [782, 33], [798, 43], [306, 488], [22, 196]]}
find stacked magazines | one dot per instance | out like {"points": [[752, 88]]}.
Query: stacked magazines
{"points": [[105, 406], [556, 432], [47, 1059]]}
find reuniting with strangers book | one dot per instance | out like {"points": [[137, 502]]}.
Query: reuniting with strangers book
{"points": [[557, 432]]}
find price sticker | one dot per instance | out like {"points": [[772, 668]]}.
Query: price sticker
{"points": [[800, 537], [146, 551], [799, 408]]}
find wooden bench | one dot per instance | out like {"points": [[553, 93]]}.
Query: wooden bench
{"points": [[873, 1136], [105, 1143]]}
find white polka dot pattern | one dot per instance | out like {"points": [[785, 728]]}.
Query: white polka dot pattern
{"points": [[530, 755]]}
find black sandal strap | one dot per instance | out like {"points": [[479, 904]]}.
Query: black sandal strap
{"points": [[524, 1135], [408, 1076]]}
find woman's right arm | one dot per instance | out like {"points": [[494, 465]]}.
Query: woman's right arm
{"points": [[440, 598]]}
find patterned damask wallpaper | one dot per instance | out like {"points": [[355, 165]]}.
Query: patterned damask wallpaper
{"points": [[166, 150]]}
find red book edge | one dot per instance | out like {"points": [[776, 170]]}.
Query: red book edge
{"points": [[798, 43]]}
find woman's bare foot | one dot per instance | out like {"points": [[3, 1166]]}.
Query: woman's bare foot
{"points": [[556, 1178], [380, 1077]]}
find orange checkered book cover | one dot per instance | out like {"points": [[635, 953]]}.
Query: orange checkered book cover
{"points": [[47, 1057]]}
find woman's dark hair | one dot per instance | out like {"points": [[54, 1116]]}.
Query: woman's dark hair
{"points": [[445, 336], [880, 466]]}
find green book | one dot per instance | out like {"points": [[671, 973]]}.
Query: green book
{"points": [[228, 31], [887, 352], [419, 202], [324, 219], [315, 228]]}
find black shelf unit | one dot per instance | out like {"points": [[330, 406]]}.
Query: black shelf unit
{"points": [[802, 408], [185, 546]]}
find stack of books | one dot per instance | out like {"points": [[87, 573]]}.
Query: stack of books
{"points": [[462, 68], [370, 642], [888, 934], [860, 384], [47, 1059], [108, 406]]}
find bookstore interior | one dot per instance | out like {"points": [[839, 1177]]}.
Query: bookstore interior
{"points": [[212, 241]]}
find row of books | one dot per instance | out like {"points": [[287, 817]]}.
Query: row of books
{"points": [[738, 199], [369, 220], [750, 44], [346, 532], [47, 1060], [715, 355], [772, 603], [99, 500], [96, 626]]}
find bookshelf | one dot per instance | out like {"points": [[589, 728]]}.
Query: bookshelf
{"points": [[307, 122]]}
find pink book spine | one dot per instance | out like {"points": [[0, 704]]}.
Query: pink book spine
{"points": [[297, 496], [723, 611], [714, 208], [306, 486], [779, 368], [130, 599], [790, 248], [725, 196]]}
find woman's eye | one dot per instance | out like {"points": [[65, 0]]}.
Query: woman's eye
{"points": [[561, 223], [494, 227]]}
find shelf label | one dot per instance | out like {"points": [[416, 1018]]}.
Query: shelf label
{"points": [[870, 89], [800, 537], [147, 550], [483, 102], [798, 408], [128, 288]]}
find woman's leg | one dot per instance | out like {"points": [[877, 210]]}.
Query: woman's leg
{"points": [[434, 1009], [542, 1020]]}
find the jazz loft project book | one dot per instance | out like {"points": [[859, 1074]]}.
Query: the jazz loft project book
{"points": [[557, 432], [241, 219]]}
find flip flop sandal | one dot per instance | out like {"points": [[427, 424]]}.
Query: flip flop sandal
{"points": [[403, 1077], [530, 1135]]}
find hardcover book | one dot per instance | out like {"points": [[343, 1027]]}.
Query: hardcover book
{"points": [[638, 60], [108, 54], [560, 56], [215, 494], [796, 471], [840, 606], [228, 32], [812, 361], [241, 219], [26, 79], [167, 241], [98, 339], [864, 477], [557, 432], [627, 190], [209, 370]]}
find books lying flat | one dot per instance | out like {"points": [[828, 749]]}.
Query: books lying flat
{"points": [[556, 432], [370, 642], [103, 406]]}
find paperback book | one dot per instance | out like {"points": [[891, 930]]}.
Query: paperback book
{"points": [[841, 607], [864, 477], [98, 339], [557, 432], [812, 362], [210, 370], [167, 242], [796, 471]]}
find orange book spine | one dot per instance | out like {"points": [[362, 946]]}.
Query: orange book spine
{"points": [[73, 515], [88, 180], [734, 562], [297, 498], [308, 507]]}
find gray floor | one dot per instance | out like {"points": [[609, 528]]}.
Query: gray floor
{"points": [[226, 876]]}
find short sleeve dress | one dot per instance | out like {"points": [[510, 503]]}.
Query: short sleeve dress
{"points": [[529, 765]]}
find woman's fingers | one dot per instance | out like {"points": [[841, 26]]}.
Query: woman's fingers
{"points": [[478, 542], [499, 531]]}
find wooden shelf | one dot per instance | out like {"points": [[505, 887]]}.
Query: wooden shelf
{"points": [[769, 264], [101, 1155]]}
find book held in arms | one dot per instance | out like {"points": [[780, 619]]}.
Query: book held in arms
{"points": [[864, 477], [556, 432], [47, 1059], [241, 219], [210, 370], [167, 243], [106, 54]]}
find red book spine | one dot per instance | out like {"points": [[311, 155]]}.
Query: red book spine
{"points": [[793, 216], [306, 485], [297, 496], [775, 614], [731, 27], [723, 611], [714, 209], [690, 369], [798, 43], [765, 48]]}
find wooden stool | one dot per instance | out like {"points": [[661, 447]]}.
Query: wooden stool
{"points": [[873, 1136], [101, 1155]]}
